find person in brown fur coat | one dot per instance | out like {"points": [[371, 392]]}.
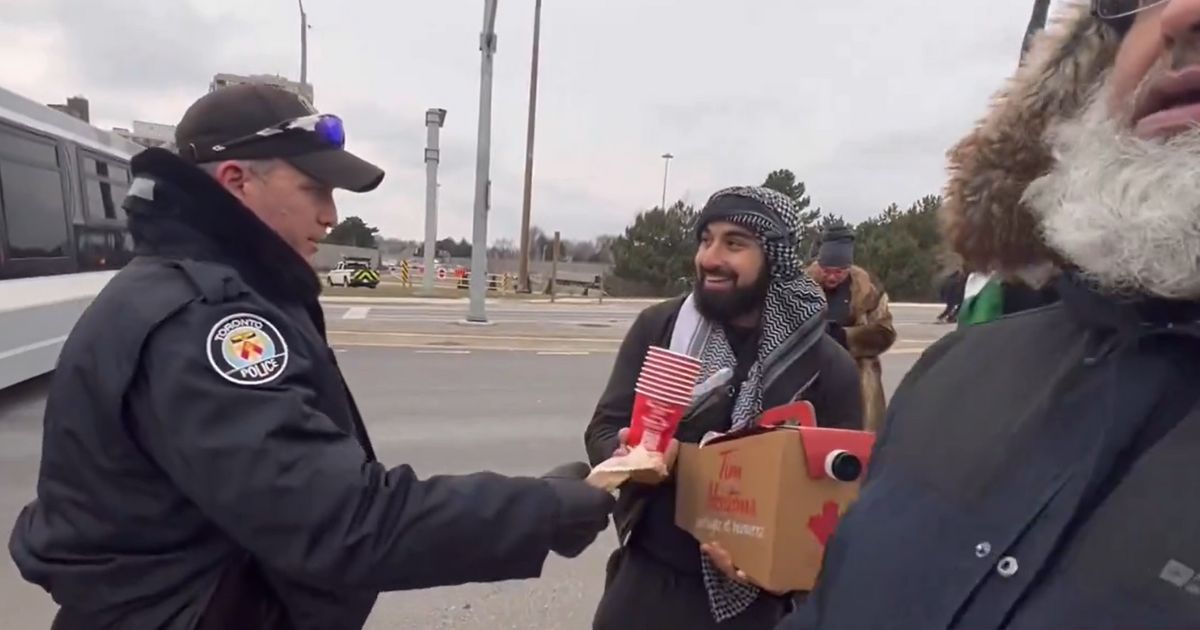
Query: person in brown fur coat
{"points": [[859, 316]]}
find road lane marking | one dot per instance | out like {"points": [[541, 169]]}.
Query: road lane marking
{"points": [[425, 349], [357, 312], [45, 343], [456, 336], [413, 346]]}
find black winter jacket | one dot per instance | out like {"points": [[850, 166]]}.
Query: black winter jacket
{"points": [[1038, 473]]}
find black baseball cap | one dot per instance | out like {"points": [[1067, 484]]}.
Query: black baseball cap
{"points": [[222, 125]]}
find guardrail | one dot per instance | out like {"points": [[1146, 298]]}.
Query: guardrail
{"points": [[502, 283]]}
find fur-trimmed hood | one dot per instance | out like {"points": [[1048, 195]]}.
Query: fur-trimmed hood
{"points": [[982, 216], [178, 211]]}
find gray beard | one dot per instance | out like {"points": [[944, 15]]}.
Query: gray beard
{"points": [[1126, 211]]}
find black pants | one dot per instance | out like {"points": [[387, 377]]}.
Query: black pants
{"points": [[643, 594]]}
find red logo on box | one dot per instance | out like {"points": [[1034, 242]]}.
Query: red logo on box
{"points": [[822, 525]]}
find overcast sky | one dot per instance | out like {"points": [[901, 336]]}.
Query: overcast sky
{"points": [[860, 98]]}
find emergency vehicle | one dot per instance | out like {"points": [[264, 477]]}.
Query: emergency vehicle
{"points": [[353, 272]]}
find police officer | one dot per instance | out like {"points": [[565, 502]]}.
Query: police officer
{"points": [[204, 465]]}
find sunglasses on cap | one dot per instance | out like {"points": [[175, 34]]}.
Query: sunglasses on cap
{"points": [[1117, 9], [327, 128]]}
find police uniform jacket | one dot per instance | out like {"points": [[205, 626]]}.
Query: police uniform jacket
{"points": [[204, 464]]}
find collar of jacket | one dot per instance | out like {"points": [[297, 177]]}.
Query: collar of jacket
{"points": [[1127, 314], [178, 211], [982, 215]]}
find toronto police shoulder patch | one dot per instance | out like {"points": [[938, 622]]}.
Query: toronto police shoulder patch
{"points": [[247, 349]]}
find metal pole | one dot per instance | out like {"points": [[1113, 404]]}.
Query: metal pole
{"points": [[554, 270], [303, 44], [483, 184], [434, 119], [666, 167], [523, 273]]}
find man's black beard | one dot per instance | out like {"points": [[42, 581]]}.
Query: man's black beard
{"points": [[725, 306]]}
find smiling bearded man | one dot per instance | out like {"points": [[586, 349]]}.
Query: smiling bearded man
{"points": [[1038, 471], [755, 322]]}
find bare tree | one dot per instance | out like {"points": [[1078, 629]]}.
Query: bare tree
{"points": [[504, 249], [1037, 22]]}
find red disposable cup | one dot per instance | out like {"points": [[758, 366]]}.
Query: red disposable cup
{"points": [[664, 366], [658, 386], [683, 380], [669, 374], [659, 350], [683, 361], [674, 358], [654, 422], [674, 399], [678, 389]]}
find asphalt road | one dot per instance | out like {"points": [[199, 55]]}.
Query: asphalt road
{"points": [[513, 397]]}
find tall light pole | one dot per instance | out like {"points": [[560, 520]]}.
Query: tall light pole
{"points": [[523, 273], [303, 44], [667, 157], [434, 119], [483, 151]]}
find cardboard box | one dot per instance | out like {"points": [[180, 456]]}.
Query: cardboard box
{"points": [[767, 497]]}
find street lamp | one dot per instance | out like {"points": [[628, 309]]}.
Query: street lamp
{"points": [[303, 44], [434, 120], [483, 154], [667, 157]]}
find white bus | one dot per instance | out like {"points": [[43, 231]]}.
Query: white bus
{"points": [[62, 228]]}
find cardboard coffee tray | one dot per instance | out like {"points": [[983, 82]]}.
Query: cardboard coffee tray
{"points": [[766, 495]]}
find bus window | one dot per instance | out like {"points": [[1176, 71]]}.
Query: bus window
{"points": [[104, 187], [26, 149], [101, 239], [102, 168], [102, 247], [34, 210], [103, 199]]}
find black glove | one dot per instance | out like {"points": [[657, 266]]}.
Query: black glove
{"points": [[582, 509]]}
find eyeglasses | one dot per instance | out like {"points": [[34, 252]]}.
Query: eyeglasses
{"points": [[1113, 9], [327, 128]]}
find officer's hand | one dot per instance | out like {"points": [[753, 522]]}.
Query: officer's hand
{"points": [[723, 561], [648, 477], [582, 509]]}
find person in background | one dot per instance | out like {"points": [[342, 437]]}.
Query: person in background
{"points": [[1039, 472], [756, 317], [858, 314], [952, 289]]}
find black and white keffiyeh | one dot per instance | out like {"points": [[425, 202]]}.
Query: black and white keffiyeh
{"points": [[793, 299]]}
